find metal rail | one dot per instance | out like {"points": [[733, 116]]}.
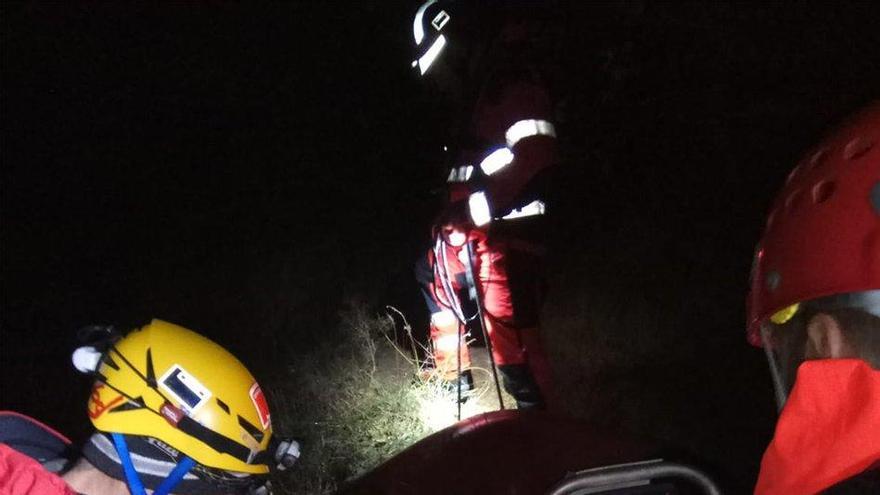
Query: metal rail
{"points": [[620, 476]]}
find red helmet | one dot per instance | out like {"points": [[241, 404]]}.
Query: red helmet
{"points": [[823, 233]]}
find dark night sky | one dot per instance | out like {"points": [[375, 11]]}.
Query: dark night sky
{"points": [[146, 147], [242, 170], [212, 165]]}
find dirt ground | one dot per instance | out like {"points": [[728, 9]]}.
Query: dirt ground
{"points": [[395, 368]]}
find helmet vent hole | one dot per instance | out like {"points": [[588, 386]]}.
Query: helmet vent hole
{"points": [[223, 406], [110, 362], [793, 200], [856, 148], [251, 429], [822, 191]]}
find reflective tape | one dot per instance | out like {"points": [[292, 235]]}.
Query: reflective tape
{"points": [[496, 160], [443, 318], [440, 20], [460, 174], [428, 58], [446, 343], [534, 208], [479, 208], [528, 128], [418, 26]]}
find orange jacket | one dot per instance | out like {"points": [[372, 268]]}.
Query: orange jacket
{"points": [[828, 432]]}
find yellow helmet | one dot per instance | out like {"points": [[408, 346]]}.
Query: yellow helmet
{"points": [[169, 383]]}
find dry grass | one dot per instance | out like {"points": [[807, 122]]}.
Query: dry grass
{"points": [[358, 399]]}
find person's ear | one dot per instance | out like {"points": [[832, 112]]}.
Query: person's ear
{"points": [[825, 338]]}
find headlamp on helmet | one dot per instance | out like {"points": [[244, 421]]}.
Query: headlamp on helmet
{"points": [[170, 384]]}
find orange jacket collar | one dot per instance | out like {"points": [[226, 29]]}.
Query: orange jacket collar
{"points": [[829, 429]]}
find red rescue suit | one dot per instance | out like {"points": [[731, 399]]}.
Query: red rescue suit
{"points": [[25, 444], [20, 474], [828, 432], [497, 188]]}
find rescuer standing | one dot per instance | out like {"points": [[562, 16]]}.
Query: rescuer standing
{"points": [[487, 242], [814, 306]]}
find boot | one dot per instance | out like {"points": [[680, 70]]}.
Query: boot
{"points": [[519, 383], [465, 382]]}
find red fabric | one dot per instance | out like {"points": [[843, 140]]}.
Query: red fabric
{"points": [[21, 475], [829, 429], [502, 452], [511, 344], [446, 357], [459, 191]]}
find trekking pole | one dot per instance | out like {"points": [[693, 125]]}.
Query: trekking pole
{"points": [[477, 296], [458, 365]]}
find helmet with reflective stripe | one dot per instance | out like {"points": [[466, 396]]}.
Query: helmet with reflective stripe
{"points": [[429, 24], [169, 383], [822, 237]]}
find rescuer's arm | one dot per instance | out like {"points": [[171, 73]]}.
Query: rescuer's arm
{"points": [[517, 182], [519, 118], [21, 474]]}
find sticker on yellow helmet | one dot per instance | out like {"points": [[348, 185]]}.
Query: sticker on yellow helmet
{"points": [[261, 405], [785, 314], [97, 406], [185, 388]]}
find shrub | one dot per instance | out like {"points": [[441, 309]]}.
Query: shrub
{"points": [[353, 402]]}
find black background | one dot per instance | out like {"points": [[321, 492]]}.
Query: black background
{"points": [[244, 170]]}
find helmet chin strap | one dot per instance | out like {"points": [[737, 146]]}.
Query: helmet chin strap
{"points": [[778, 386], [135, 485], [779, 390]]}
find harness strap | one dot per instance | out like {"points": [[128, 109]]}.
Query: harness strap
{"points": [[175, 476], [135, 485]]}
